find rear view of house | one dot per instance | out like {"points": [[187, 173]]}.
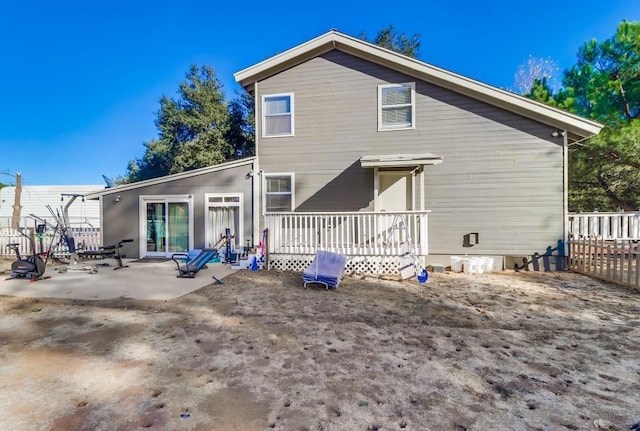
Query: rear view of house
{"points": [[350, 135], [371, 154]]}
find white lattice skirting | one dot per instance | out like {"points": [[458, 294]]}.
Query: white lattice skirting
{"points": [[360, 265]]}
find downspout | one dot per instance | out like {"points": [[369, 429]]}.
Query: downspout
{"points": [[565, 219], [256, 178]]}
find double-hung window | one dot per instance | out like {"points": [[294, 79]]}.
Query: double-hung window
{"points": [[278, 192], [277, 115], [396, 106]]}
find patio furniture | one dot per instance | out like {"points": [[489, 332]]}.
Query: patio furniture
{"points": [[326, 268]]}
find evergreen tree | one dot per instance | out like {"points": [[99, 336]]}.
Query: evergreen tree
{"points": [[390, 38], [604, 85], [197, 129]]}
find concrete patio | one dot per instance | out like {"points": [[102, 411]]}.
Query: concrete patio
{"points": [[140, 280]]}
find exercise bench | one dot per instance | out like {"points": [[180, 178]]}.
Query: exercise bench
{"points": [[188, 268], [107, 252]]}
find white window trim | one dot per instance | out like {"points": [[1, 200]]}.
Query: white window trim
{"points": [[264, 188], [412, 86], [238, 204], [142, 219], [293, 128]]}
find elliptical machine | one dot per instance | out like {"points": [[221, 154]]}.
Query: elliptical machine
{"points": [[33, 266]]}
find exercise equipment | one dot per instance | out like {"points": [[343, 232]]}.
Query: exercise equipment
{"points": [[78, 258], [33, 266], [104, 252], [188, 268]]}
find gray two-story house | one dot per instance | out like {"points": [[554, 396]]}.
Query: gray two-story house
{"points": [[369, 153]]}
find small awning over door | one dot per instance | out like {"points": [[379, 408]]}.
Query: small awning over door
{"points": [[399, 160], [395, 186]]}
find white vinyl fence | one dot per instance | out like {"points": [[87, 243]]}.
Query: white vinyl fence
{"points": [[85, 239], [608, 226]]}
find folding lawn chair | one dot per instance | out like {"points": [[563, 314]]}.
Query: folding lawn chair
{"points": [[189, 266], [326, 268]]}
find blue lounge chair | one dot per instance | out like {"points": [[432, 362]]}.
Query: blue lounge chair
{"points": [[188, 266], [326, 268]]}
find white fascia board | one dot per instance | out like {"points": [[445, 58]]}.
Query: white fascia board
{"points": [[423, 71]]}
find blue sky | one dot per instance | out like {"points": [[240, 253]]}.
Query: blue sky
{"points": [[80, 81]]}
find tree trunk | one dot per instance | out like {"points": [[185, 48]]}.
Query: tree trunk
{"points": [[15, 218]]}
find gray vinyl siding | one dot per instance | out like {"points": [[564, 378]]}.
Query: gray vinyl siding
{"points": [[122, 219], [502, 174]]}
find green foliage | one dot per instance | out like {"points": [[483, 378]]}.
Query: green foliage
{"points": [[390, 38], [542, 92], [604, 173], [605, 83], [196, 130], [242, 125], [155, 162]]}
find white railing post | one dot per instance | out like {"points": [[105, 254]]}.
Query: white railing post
{"points": [[424, 234]]}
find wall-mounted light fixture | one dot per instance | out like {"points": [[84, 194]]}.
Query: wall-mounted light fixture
{"points": [[116, 199], [557, 133]]}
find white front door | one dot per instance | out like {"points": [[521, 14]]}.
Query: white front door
{"points": [[394, 191]]}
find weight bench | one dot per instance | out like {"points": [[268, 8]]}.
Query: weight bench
{"points": [[188, 268], [107, 251]]}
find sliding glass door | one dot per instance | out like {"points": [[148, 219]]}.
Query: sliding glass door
{"points": [[178, 227], [156, 228], [167, 226]]}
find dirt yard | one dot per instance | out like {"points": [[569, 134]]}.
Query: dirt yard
{"points": [[508, 351]]}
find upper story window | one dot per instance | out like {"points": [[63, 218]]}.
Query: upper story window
{"points": [[396, 106], [277, 115], [278, 192]]}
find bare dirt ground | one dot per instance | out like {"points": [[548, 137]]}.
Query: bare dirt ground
{"points": [[508, 351]]}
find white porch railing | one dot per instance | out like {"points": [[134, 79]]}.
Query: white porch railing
{"points": [[349, 233], [606, 226]]}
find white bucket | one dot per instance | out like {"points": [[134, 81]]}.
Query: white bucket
{"points": [[470, 265], [487, 264], [456, 263]]}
